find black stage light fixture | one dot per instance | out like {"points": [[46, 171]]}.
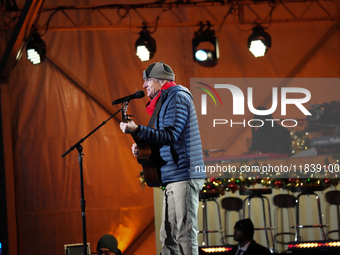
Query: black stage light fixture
{"points": [[259, 41], [36, 49], [11, 5], [145, 45], [209, 54]]}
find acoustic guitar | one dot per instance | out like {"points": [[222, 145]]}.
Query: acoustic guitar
{"points": [[148, 156]]}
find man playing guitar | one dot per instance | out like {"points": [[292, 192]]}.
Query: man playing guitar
{"points": [[176, 137]]}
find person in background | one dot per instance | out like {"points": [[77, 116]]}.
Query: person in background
{"points": [[270, 137], [108, 245], [243, 234]]}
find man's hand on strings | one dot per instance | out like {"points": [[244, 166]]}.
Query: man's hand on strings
{"points": [[135, 150]]}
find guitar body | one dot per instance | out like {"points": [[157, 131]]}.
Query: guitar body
{"points": [[151, 162], [148, 157]]}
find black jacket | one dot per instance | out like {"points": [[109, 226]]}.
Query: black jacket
{"points": [[253, 249]]}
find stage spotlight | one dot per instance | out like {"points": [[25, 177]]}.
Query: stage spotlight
{"points": [[259, 41], [36, 49], [145, 45], [205, 46]]}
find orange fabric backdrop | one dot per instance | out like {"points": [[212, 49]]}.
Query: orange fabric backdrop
{"points": [[50, 113]]}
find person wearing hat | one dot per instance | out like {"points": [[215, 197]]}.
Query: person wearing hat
{"points": [[174, 128], [108, 245], [243, 233]]}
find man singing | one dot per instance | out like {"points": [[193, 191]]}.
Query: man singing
{"points": [[177, 136]]}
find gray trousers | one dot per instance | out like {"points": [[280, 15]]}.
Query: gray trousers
{"points": [[178, 232]]}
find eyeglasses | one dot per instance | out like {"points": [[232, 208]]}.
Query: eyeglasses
{"points": [[104, 252]]}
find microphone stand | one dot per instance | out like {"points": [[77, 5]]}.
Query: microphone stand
{"points": [[80, 159]]}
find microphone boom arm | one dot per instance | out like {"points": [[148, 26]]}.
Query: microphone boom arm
{"points": [[80, 159]]}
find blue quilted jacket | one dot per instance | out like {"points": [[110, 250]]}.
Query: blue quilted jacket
{"points": [[177, 134]]}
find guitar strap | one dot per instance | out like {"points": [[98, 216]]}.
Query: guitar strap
{"points": [[155, 113]]}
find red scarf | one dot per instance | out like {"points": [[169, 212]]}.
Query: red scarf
{"points": [[150, 106]]}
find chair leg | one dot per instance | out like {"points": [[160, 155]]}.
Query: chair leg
{"points": [[297, 219], [319, 214], [291, 217], [225, 223], [205, 224], [270, 223], [226, 234], [320, 217], [265, 220], [205, 230], [263, 199], [338, 209], [244, 207], [331, 230], [220, 222]]}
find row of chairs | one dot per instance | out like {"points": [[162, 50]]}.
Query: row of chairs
{"points": [[282, 202]]}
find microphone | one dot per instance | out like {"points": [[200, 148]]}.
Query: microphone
{"points": [[138, 94]]}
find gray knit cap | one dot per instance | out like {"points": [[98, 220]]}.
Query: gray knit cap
{"points": [[109, 242], [159, 70]]}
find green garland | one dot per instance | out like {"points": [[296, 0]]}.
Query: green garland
{"points": [[233, 184]]}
